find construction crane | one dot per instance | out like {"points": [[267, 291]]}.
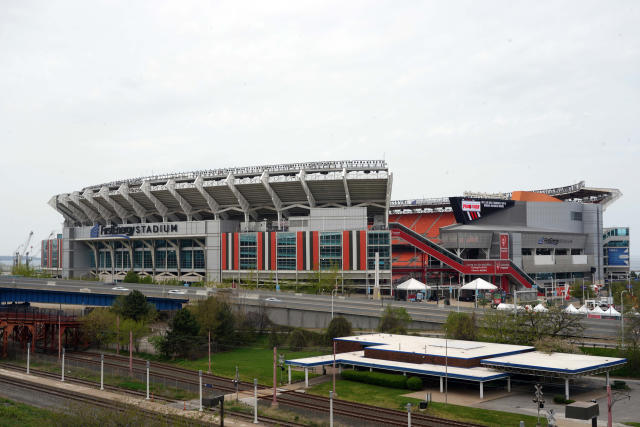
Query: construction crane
{"points": [[25, 250]]}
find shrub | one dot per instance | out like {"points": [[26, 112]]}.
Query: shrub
{"points": [[394, 320], [559, 399], [131, 277], [414, 383], [297, 340], [376, 378], [338, 327], [461, 326]]}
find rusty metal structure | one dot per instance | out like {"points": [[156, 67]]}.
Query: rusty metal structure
{"points": [[45, 329]]}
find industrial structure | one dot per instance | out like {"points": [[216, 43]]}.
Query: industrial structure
{"points": [[305, 221]]}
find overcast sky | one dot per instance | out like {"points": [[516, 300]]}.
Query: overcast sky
{"points": [[479, 95]]}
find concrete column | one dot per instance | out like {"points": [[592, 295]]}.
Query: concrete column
{"points": [[340, 369], [481, 390], [566, 388], [607, 383], [441, 385], [509, 384], [289, 374], [370, 369], [306, 377]]}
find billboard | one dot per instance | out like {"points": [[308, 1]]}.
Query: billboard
{"points": [[468, 209], [618, 256]]}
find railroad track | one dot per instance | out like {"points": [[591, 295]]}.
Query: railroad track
{"points": [[165, 370], [95, 401], [362, 412], [135, 393]]}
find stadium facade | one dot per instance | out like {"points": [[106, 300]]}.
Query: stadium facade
{"points": [[297, 222]]}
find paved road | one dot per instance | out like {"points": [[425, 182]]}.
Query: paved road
{"points": [[357, 304]]}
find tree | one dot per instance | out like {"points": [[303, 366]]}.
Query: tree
{"points": [[139, 330], [394, 320], [131, 277], [134, 306], [99, 326], [214, 314], [461, 326], [338, 327], [182, 337]]}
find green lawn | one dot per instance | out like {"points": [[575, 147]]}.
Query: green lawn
{"points": [[392, 398], [253, 361], [14, 414]]}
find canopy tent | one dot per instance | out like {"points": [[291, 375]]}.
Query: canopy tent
{"points": [[479, 284], [571, 309], [583, 309], [611, 311], [540, 308], [412, 285], [596, 310], [509, 307]]}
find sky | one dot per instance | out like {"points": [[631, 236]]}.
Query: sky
{"points": [[457, 96]]}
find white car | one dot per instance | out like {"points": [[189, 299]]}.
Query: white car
{"points": [[272, 299], [120, 288], [177, 291]]}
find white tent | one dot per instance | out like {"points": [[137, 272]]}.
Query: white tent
{"points": [[540, 308], [412, 285], [503, 306], [596, 310], [571, 309], [611, 311], [479, 284], [583, 309]]}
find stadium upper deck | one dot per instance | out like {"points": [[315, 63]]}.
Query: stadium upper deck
{"points": [[249, 193]]}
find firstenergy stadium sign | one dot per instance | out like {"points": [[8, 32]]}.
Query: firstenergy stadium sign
{"points": [[127, 231], [467, 210]]}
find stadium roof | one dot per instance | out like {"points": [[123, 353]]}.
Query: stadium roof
{"points": [[256, 192], [577, 192]]}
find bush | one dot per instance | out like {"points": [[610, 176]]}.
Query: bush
{"points": [[376, 378], [131, 277], [559, 399], [461, 326], [297, 340], [338, 327], [394, 321], [414, 383]]}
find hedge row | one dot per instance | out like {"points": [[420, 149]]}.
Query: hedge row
{"points": [[385, 380]]}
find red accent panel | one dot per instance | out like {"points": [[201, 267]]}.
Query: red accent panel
{"points": [[345, 250], [363, 250], [236, 251], [272, 252], [316, 250], [224, 250], [259, 249], [299, 251]]}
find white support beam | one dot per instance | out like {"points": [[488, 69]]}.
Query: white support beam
{"points": [[68, 217], [388, 199], [274, 196], [78, 214], [186, 206], [120, 210], [141, 212], [346, 187], [211, 202], [90, 213], [302, 176], [104, 212], [160, 207], [244, 204]]}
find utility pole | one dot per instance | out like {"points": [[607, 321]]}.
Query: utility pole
{"points": [[275, 382], [209, 370]]}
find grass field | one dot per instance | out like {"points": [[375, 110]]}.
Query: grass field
{"points": [[392, 398], [13, 414], [253, 361]]}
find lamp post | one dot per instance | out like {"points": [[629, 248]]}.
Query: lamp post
{"points": [[622, 317]]}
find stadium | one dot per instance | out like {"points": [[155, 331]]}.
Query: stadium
{"points": [[301, 222]]}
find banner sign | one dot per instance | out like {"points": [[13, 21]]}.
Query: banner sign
{"points": [[504, 246], [467, 210]]}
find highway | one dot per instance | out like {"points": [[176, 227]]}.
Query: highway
{"points": [[357, 305]]}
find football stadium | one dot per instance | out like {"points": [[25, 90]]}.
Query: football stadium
{"points": [[297, 223]]}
